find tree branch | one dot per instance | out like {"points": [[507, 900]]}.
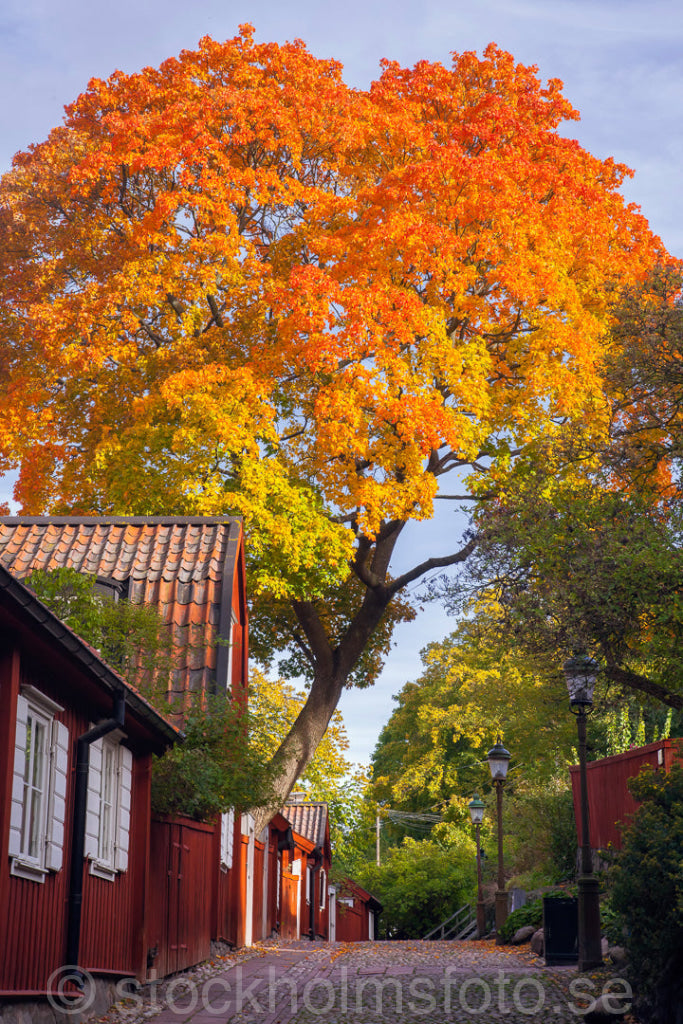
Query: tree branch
{"points": [[634, 681], [432, 563]]}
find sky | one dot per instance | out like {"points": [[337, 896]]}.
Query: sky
{"points": [[621, 63]]}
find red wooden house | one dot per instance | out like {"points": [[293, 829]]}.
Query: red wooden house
{"points": [[354, 913], [75, 871], [192, 570], [609, 799], [310, 862]]}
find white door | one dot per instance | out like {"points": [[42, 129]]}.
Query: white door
{"points": [[332, 910], [248, 830]]}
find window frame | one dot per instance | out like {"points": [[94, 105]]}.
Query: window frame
{"points": [[108, 817], [28, 859]]}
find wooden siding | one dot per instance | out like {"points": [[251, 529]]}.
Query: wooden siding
{"points": [[33, 941], [257, 902], [227, 883], [351, 922], [609, 800]]}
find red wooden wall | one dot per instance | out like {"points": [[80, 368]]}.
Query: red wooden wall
{"points": [[33, 935], [609, 800], [351, 922]]}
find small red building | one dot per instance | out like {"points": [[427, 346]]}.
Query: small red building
{"points": [[609, 799], [76, 745], [354, 913], [310, 861]]}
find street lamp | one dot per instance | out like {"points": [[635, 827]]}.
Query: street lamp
{"points": [[476, 807], [580, 673], [499, 758]]}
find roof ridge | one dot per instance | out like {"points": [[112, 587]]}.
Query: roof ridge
{"points": [[134, 520]]}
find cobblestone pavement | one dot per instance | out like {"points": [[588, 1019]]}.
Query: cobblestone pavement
{"points": [[375, 983]]}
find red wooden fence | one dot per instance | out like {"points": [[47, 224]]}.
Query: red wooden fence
{"points": [[609, 800], [180, 897]]}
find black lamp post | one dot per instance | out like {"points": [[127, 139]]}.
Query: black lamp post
{"points": [[476, 807], [499, 758], [580, 673]]}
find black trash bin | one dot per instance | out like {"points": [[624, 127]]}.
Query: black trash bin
{"points": [[561, 930]]}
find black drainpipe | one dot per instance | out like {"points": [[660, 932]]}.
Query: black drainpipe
{"points": [[73, 935]]}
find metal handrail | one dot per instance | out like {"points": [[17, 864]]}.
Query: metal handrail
{"points": [[460, 922]]}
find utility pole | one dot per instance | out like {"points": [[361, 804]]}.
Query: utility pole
{"points": [[377, 840]]}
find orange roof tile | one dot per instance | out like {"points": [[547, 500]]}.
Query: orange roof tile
{"points": [[179, 565]]}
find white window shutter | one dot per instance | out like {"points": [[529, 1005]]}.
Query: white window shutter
{"points": [[92, 815], [18, 778], [227, 838], [124, 805], [59, 757]]}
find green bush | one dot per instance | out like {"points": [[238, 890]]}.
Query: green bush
{"points": [[530, 913], [647, 891], [421, 883], [215, 768]]}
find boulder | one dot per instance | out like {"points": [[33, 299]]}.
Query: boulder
{"points": [[538, 942], [606, 1010], [523, 934], [617, 955]]}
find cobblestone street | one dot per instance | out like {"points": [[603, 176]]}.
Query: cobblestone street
{"points": [[364, 983]]}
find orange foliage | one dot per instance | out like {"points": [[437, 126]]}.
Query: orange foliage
{"points": [[233, 283]]}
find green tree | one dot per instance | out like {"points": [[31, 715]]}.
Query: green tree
{"points": [[434, 746], [571, 566], [421, 883]]}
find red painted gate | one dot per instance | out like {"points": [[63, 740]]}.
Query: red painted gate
{"points": [[290, 902], [180, 894]]}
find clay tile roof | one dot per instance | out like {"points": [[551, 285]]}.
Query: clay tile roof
{"points": [[308, 819], [181, 565]]}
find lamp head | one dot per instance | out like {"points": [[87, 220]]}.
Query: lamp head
{"points": [[498, 758], [580, 673], [476, 807]]}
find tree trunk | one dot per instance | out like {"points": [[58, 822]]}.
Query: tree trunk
{"points": [[298, 747], [332, 665]]}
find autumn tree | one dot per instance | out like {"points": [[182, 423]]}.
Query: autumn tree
{"points": [[582, 547], [235, 284]]}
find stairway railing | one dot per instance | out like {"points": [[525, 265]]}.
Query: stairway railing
{"points": [[459, 925]]}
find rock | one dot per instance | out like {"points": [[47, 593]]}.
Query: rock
{"points": [[538, 942], [523, 934], [617, 955], [604, 946], [605, 1011]]}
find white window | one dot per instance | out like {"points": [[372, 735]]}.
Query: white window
{"points": [[323, 888], [107, 827], [227, 838], [41, 765], [309, 876]]}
